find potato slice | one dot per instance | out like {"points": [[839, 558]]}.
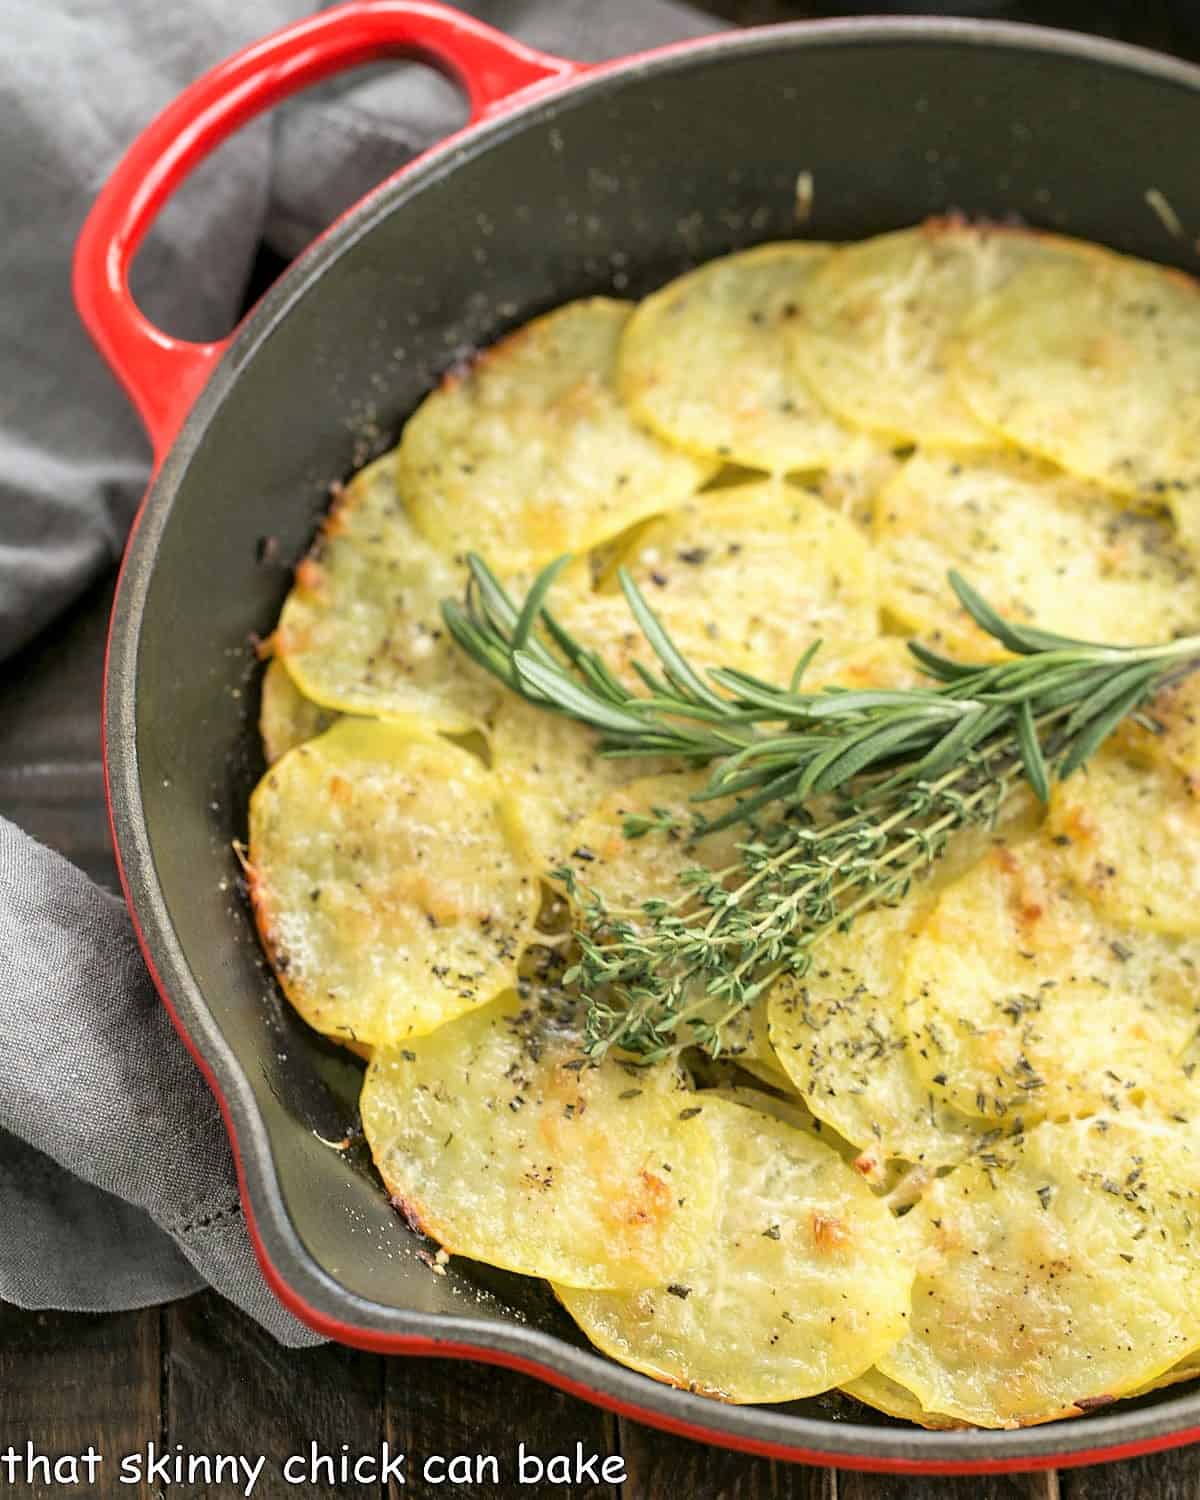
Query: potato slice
{"points": [[884, 663], [1130, 836], [747, 1042], [628, 872], [1038, 544], [788, 1108], [851, 484], [781, 1101], [554, 773], [1188, 1368], [497, 1140], [765, 1068], [287, 718], [874, 1389], [388, 890], [879, 317], [1093, 361], [361, 630], [803, 1283], [1174, 739], [705, 363], [749, 577], [529, 453], [1031, 1005], [851, 1041], [1057, 1278], [849, 1045], [745, 1049]]}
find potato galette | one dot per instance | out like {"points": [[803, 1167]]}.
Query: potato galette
{"points": [[953, 1168]]}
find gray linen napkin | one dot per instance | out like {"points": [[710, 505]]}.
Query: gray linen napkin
{"points": [[116, 1182]]}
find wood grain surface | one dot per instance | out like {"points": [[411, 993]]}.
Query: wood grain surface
{"points": [[201, 1375], [70, 1380]]}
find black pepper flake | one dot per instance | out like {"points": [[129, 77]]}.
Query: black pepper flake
{"points": [[690, 1114], [682, 1292], [771, 1232]]}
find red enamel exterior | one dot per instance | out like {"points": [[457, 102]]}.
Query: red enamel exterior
{"points": [[163, 376]]}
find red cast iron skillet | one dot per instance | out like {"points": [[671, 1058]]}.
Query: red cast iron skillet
{"points": [[568, 180]]}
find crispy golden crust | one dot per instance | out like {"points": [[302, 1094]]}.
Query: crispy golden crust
{"points": [[500, 1146], [803, 1282]]}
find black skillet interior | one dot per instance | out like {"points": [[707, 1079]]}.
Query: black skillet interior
{"points": [[612, 187]]}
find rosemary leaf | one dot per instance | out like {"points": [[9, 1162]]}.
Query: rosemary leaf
{"points": [[845, 797], [1037, 773]]}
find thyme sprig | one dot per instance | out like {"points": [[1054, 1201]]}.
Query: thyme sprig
{"points": [[843, 796]]}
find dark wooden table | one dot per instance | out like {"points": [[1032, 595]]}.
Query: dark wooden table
{"points": [[200, 1373]]}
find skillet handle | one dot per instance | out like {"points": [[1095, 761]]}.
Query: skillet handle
{"points": [[163, 375]]}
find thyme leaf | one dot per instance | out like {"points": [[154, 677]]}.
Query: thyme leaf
{"points": [[845, 797]]}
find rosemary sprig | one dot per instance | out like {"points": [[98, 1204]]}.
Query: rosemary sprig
{"points": [[844, 796]]}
